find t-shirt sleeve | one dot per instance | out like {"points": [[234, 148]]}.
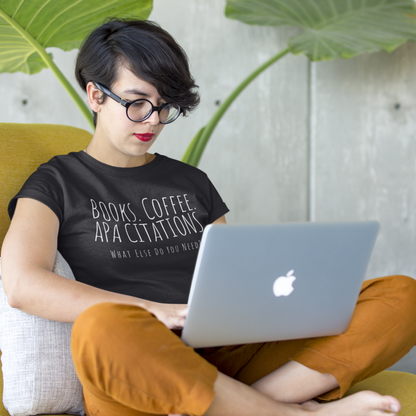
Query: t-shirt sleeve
{"points": [[218, 207], [43, 186]]}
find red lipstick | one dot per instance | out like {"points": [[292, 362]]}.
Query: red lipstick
{"points": [[144, 137]]}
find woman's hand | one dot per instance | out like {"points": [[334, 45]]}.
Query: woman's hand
{"points": [[171, 315]]}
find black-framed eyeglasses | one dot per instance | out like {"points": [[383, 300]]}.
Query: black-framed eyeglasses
{"points": [[142, 109]]}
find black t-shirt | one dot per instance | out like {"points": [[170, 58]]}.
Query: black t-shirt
{"points": [[135, 230]]}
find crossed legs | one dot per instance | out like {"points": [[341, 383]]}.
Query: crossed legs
{"points": [[295, 383], [130, 364], [234, 398]]}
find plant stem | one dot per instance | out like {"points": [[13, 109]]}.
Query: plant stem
{"points": [[189, 154], [49, 62], [70, 89], [197, 147]]}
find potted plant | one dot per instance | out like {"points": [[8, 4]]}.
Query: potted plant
{"points": [[329, 30]]}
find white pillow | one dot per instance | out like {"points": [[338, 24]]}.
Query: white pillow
{"points": [[38, 373]]}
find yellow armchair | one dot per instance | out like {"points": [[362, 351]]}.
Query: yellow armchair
{"points": [[26, 146], [23, 148]]}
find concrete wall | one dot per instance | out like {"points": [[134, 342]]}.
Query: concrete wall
{"points": [[322, 141]]}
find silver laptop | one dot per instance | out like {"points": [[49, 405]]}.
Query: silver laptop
{"points": [[258, 283]]}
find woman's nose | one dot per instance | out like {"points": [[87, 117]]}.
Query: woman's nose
{"points": [[153, 118]]}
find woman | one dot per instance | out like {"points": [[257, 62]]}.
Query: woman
{"points": [[128, 222]]}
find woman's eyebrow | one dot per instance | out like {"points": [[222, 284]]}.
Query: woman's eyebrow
{"points": [[136, 92]]}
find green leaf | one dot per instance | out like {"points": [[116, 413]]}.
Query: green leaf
{"points": [[334, 28], [195, 150], [27, 27], [190, 156]]}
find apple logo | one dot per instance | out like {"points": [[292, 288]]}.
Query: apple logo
{"points": [[282, 286]]}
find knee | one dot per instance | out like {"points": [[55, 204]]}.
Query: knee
{"points": [[407, 282], [94, 322], [91, 328], [404, 285], [103, 325], [397, 292], [401, 292], [102, 331], [403, 300], [408, 289]]}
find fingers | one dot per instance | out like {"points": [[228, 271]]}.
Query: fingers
{"points": [[173, 316], [183, 312], [177, 322]]}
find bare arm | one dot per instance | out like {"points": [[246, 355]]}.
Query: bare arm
{"points": [[220, 220], [28, 254]]}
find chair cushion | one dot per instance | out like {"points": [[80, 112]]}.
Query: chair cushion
{"points": [[23, 148], [38, 372], [394, 383]]}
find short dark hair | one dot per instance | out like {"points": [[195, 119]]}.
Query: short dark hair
{"points": [[145, 49]]}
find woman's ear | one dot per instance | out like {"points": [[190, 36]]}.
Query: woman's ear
{"points": [[94, 97]]}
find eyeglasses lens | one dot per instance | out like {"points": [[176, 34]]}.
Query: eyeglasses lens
{"points": [[141, 109], [169, 114]]}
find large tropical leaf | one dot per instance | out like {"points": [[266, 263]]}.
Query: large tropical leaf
{"points": [[334, 28], [27, 27]]}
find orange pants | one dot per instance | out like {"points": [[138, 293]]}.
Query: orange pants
{"points": [[130, 364]]}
